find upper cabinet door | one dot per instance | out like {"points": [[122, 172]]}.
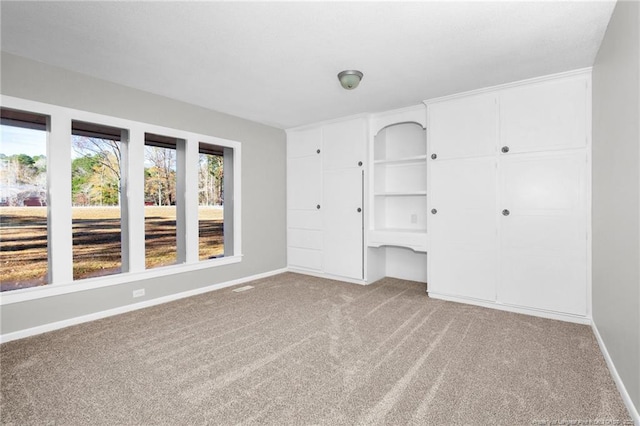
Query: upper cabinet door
{"points": [[545, 116], [343, 144], [462, 128], [302, 143]]}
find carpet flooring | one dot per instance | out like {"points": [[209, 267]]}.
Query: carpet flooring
{"points": [[299, 350]]}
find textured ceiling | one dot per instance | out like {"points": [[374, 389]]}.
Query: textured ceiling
{"points": [[276, 62]]}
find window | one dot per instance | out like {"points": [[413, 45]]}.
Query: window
{"points": [[211, 201], [87, 199], [216, 201], [160, 200], [96, 174], [23, 200]]}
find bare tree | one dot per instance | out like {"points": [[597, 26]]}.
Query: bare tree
{"points": [[211, 179], [106, 151], [161, 175], [101, 175]]}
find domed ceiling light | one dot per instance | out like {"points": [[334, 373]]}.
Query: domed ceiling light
{"points": [[349, 79]]}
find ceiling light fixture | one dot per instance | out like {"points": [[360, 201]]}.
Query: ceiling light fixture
{"points": [[349, 79]]}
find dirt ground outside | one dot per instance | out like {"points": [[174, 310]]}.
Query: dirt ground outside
{"points": [[96, 241]]}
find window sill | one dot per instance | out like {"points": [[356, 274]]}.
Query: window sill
{"points": [[23, 295]]}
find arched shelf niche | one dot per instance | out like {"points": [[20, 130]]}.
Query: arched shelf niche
{"points": [[399, 183]]}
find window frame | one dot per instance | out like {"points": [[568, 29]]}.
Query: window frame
{"points": [[59, 197], [100, 131]]}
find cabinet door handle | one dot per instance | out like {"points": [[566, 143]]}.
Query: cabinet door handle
{"points": [[317, 151], [359, 163], [505, 149], [359, 209], [318, 207], [506, 212], [434, 211], [434, 156]]}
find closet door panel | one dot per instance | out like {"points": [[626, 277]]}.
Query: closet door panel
{"points": [[343, 144], [304, 238], [546, 116], [462, 128], [302, 143], [305, 258], [543, 239], [304, 219], [304, 180], [463, 235], [343, 226]]}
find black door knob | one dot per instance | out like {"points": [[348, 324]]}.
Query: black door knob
{"points": [[359, 163], [359, 209], [434, 211], [506, 212], [434, 156], [505, 149], [318, 151], [318, 207]]}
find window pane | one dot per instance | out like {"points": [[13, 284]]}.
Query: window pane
{"points": [[95, 193], [23, 201], [211, 202], [160, 179]]}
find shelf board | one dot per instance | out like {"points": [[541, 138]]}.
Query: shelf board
{"points": [[404, 160], [415, 239], [400, 230], [401, 194]]}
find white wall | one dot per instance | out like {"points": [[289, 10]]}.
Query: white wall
{"points": [[616, 194], [263, 184], [406, 264]]}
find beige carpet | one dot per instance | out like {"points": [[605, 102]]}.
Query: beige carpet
{"points": [[300, 350]]}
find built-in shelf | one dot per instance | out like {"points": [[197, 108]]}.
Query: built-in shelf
{"points": [[417, 159], [399, 187], [407, 230], [401, 194], [415, 239]]}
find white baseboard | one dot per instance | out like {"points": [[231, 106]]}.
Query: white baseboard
{"points": [[633, 411], [326, 276], [516, 309], [128, 308]]}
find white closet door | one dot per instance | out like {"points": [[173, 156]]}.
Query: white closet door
{"points": [[343, 246], [304, 195], [304, 181], [343, 144], [463, 232], [462, 128], [546, 116], [543, 239], [302, 143], [304, 258]]}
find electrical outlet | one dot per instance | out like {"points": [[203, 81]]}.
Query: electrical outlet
{"points": [[414, 218], [138, 293]]}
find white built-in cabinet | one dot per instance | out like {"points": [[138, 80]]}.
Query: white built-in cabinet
{"points": [[484, 196], [508, 195], [325, 198], [304, 195]]}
